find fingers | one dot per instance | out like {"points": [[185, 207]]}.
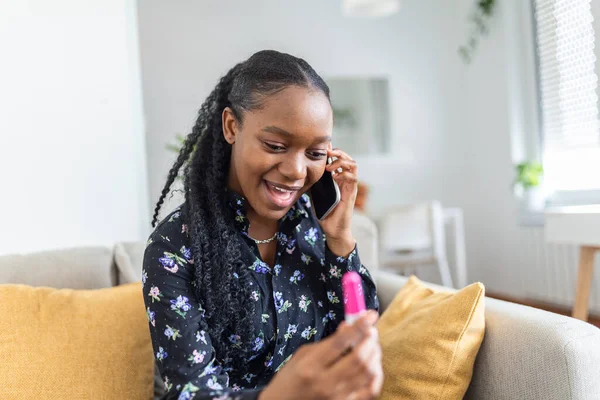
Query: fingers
{"points": [[329, 350], [340, 160], [346, 177], [370, 317], [365, 324], [377, 382], [361, 367], [345, 172], [344, 164], [339, 154], [359, 359], [348, 184], [365, 394]]}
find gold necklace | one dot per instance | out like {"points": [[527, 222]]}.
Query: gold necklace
{"points": [[264, 241]]}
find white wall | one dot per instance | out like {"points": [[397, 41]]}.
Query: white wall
{"points": [[72, 157], [451, 123], [495, 241], [187, 45], [499, 127]]}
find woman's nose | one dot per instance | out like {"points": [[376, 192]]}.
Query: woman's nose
{"points": [[293, 168]]}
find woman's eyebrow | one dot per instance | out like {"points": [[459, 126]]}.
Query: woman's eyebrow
{"points": [[278, 131]]}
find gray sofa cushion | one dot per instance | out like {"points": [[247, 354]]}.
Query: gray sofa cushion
{"points": [[77, 268], [532, 354], [128, 260], [129, 257]]}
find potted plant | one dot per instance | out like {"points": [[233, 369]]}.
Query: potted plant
{"points": [[528, 184]]}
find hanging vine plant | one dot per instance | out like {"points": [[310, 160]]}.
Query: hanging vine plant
{"points": [[479, 18]]}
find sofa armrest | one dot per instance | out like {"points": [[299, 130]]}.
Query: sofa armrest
{"points": [[527, 353]]}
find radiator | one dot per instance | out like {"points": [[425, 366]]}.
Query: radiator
{"points": [[550, 272]]}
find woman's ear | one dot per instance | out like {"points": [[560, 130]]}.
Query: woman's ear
{"points": [[230, 126]]}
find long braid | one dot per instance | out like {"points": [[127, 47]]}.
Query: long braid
{"points": [[215, 242], [184, 154], [210, 223], [204, 114]]}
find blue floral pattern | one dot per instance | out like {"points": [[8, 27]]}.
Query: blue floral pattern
{"points": [[300, 294]]}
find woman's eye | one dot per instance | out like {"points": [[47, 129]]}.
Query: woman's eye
{"points": [[274, 147], [317, 154]]}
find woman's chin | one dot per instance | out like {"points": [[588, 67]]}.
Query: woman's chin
{"points": [[269, 205], [268, 213], [269, 210]]}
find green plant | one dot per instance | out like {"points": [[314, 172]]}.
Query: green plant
{"points": [[529, 175], [480, 17], [177, 146]]}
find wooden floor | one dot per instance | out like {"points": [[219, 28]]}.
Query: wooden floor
{"points": [[593, 319]]}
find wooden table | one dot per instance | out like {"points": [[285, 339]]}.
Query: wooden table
{"points": [[577, 225]]}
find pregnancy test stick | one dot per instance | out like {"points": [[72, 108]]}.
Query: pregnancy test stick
{"points": [[354, 299]]}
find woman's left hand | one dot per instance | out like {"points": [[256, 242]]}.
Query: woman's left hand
{"points": [[337, 225]]}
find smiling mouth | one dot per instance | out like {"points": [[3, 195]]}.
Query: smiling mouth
{"points": [[280, 195]]}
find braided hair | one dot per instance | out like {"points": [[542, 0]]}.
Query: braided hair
{"points": [[205, 156]]}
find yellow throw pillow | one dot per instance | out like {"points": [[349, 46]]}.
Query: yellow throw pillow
{"points": [[74, 344], [430, 340]]}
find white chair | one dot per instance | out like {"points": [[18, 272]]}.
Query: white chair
{"points": [[365, 233], [414, 235]]}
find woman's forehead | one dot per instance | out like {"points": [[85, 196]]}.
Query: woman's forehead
{"points": [[325, 138], [296, 112]]}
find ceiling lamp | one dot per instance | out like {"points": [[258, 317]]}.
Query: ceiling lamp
{"points": [[370, 8]]}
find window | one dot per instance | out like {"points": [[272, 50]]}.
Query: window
{"points": [[567, 89], [361, 105]]}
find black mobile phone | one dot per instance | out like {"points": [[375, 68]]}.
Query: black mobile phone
{"points": [[325, 195]]}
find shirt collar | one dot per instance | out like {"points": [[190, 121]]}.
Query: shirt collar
{"points": [[237, 203], [290, 220]]}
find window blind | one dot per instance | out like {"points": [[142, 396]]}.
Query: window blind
{"points": [[567, 77]]}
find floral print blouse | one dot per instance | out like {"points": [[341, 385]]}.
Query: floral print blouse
{"points": [[298, 301]]}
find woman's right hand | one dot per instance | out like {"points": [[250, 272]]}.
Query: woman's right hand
{"points": [[343, 366]]}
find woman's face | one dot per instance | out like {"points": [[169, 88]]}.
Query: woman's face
{"points": [[280, 151]]}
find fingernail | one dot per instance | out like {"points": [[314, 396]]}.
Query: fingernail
{"points": [[329, 161]]}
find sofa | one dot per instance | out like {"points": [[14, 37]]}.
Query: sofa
{"points": [[527, 353]]}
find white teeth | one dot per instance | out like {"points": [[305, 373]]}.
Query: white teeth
{"points": [[281, 190]]}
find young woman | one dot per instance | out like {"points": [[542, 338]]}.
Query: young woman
{"points": [[242, 275]]}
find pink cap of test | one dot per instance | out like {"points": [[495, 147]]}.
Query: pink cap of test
{"points": [[354, 299]]}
